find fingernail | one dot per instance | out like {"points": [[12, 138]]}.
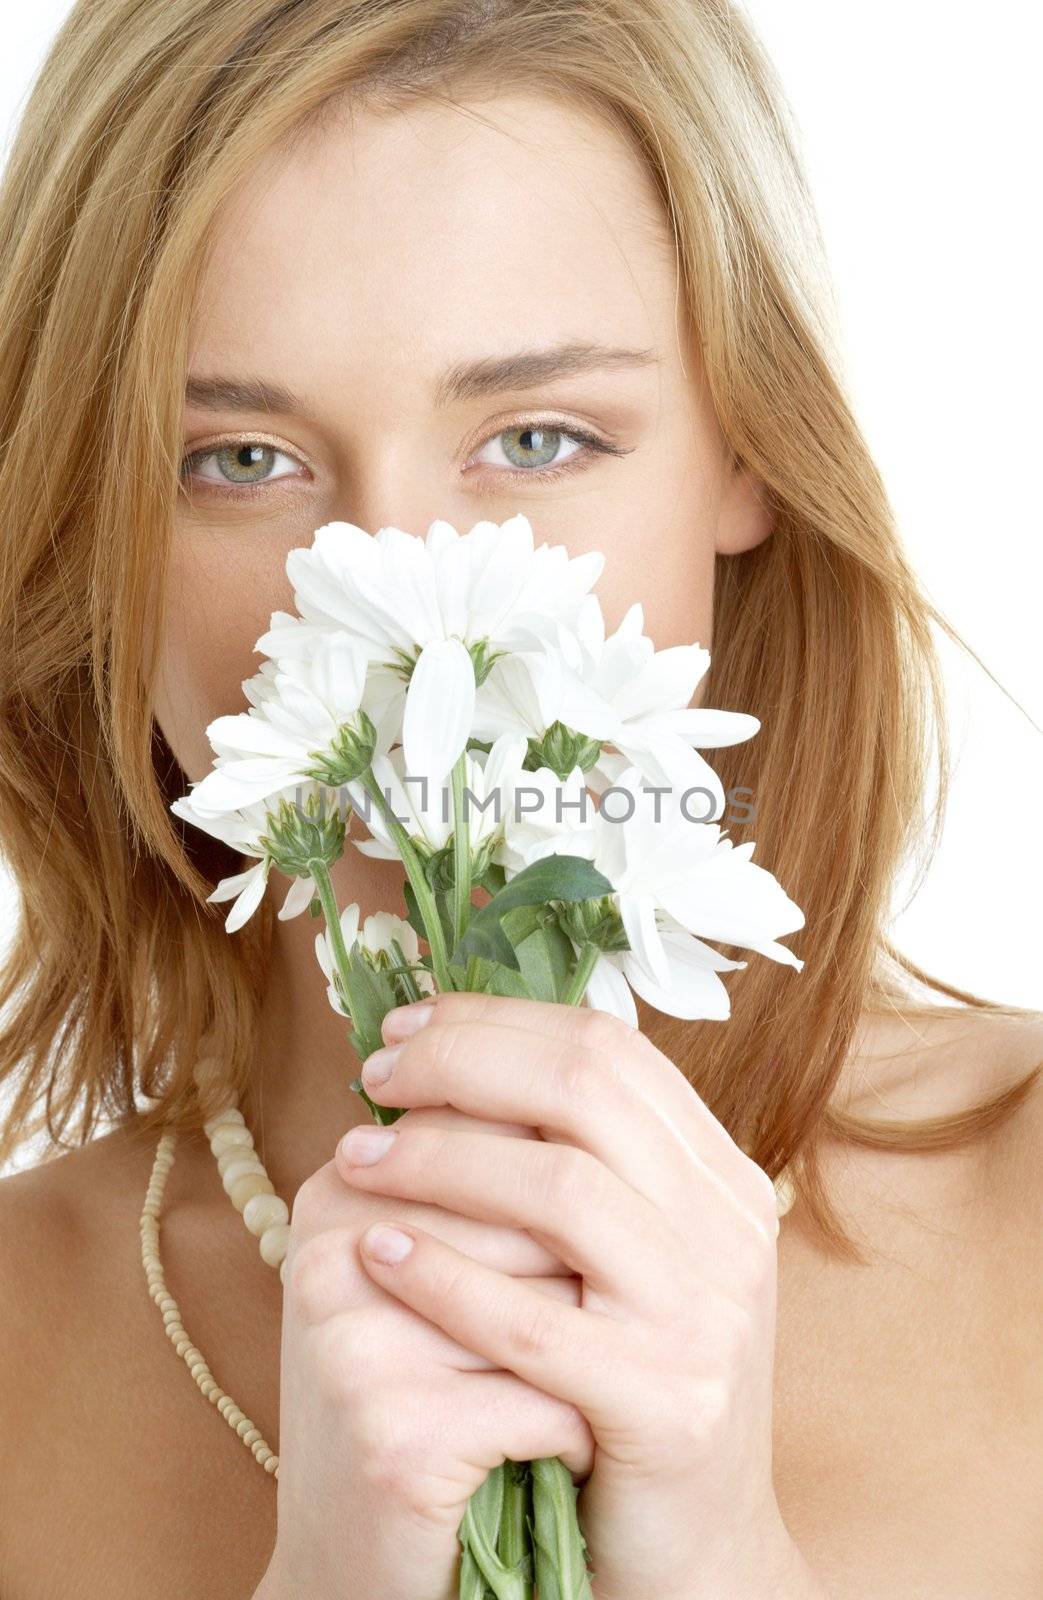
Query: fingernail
{"points": [[386, 1244], [378, 1067], [404, 1020], [362, 1146]]}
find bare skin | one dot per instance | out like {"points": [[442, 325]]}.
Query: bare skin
{"points": [[907, 1399]]}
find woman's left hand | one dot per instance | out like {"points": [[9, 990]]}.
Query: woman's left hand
{"points": [[669, 1352]]}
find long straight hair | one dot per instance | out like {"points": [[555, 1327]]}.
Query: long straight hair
{"points": [[142, 120]]}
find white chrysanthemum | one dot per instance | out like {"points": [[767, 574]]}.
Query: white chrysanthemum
{"points": [[426, 809], [377, 937], [242, 830], [677, 883], [304, 710], [623, 692], [436, 609]]}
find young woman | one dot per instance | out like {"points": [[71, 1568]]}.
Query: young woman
{"points": [[268, 263]]}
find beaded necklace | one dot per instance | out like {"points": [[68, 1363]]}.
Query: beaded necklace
{"points": [[267, 1217]]}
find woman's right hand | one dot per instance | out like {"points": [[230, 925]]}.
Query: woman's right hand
{"points": [[387, 1426]]}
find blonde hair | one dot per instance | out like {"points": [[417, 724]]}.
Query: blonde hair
{"points": [[140, 122]]}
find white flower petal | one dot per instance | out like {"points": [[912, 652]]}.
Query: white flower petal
{"points": [[608, 990], [235, 785], [637, 912], [249, 899], [298, 898], [667, 683], [707, 730], [439, 709], [349, 924], [692, 992], [230, 888], [252, 734]]}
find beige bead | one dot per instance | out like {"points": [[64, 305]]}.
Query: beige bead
{"points": [[236, 1152], [241, 1169], [230, 1115], [229, 1135], [274, 1243], [262, 1210], [244, 1188], [174, 1328], [785, 1193]]}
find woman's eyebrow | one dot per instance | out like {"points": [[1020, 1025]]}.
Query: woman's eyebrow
{"points": [[465, 380], [523, 369]]}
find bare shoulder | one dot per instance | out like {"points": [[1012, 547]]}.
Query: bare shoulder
{"points": [[947, 1062], [934, 1062], [96, 1408], [46, 1210], [53, 1251]]}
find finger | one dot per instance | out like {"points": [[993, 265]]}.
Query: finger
{"points": [[573, 1090], [617, 1240], [517, 1423], [324, 1203], [637, 1057], [478, 1421], [578, 1356]]}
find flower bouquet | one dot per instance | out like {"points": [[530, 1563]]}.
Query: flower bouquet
{"points": [[541, 784]]}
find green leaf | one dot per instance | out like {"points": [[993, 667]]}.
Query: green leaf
{"points": [[413, 917], [372, 996], [489, 977], [521, 922], [488, 941], [565, 878], [545, 958]]}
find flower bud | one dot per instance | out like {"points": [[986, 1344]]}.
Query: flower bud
{"points": [[562, 749], [298, 834], [348, 754], [482, 657], [594, 922]]}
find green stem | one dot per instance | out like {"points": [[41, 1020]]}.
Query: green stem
{"points": [[404, 973], [515, 1545], [461, 853], [586, 961], [478, 1535], [559, 1547], [320, 876], [418, 878]]}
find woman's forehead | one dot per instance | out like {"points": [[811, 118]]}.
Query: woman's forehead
{"points": [[413, 238]]}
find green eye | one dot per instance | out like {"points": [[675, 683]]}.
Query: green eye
{"points": [[533, 449], [240, 464]]}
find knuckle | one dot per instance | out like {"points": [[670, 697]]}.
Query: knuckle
{"points": [[736, 1336], [310, 1205], [344, 1349], [706, 1419], [579, 1075], [564, 1176], [601, 1031], [388, 1458], [536, 1330], [317, 1275], [755, 1269]]}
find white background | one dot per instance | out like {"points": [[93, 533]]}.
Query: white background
{"points": [[920, 132]]}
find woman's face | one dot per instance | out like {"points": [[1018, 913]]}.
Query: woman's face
{"points": [[409, 286]]}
